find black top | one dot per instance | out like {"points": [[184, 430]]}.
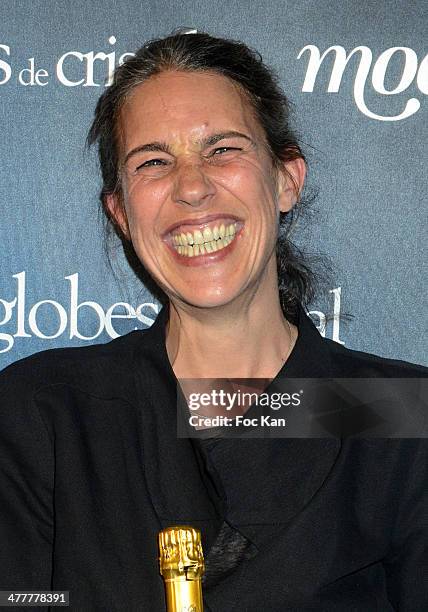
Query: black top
{"points": [[91, 469]]}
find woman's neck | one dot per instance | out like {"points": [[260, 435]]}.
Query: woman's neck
{"points": [[229, 342]]}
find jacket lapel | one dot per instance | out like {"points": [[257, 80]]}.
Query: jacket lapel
{"points": [[269, 482], [179, 492]]}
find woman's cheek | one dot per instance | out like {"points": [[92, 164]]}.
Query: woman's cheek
{"points": [[243, 176], [232, 176]]}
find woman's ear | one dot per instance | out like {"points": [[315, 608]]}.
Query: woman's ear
{"points": [[291, 180], [116, 211]]}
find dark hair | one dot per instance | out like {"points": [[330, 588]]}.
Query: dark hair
{"points": [[244, 66]]}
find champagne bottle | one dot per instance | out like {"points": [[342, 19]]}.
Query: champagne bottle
{"points": [[182, 566]]}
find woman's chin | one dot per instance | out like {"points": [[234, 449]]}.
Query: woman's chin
{"points": [[207, 300]]}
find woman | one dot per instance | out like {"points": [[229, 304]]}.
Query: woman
{"points": [[199, 167]]}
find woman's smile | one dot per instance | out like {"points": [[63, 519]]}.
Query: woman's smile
{"points": [[204, 243]]}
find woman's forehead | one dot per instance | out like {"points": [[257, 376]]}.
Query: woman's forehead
{"points": [[186, 104]]}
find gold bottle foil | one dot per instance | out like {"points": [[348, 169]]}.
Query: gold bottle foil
{"points": [[182, 566]]}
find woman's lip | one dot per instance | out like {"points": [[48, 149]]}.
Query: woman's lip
{"points": [[207, 258], [200, 223]]}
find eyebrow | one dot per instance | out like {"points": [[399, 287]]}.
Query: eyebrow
{"points": [[215, 138], [152, 146], [206, 142]]}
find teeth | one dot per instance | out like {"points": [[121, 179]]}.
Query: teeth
{"points": [[198, 238], [208, 235], [208, 241]]}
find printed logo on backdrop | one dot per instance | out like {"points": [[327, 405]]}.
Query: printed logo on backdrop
{"points": [[49, 319], [72, 69], [94, 69], [19, 318], [379, 66]]}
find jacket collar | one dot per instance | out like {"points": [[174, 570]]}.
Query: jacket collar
{"points": [[310, 357]]}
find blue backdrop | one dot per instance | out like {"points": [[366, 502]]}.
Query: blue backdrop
{"points": [[358, 77]]}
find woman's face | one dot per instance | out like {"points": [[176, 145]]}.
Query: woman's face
{"points": [[200, 196]]}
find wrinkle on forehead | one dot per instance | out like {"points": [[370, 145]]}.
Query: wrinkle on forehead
{"points": [[161, 89]]}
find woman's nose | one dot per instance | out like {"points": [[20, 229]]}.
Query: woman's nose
{"points": [[192, 186]]}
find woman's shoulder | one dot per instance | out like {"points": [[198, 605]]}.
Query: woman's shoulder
{"points": [[71, 365], [350, 362]]}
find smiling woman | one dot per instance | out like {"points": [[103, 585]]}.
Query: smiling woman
{"points": [[212, 171], [205, 165], [202, 176]]}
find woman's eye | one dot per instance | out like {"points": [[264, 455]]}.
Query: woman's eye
{"points": [[221, 150], [151, 163]]}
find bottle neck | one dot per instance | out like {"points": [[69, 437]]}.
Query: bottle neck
{"points": [[183, 595]]}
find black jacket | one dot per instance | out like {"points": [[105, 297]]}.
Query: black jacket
{"points": [[91, 469]]}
